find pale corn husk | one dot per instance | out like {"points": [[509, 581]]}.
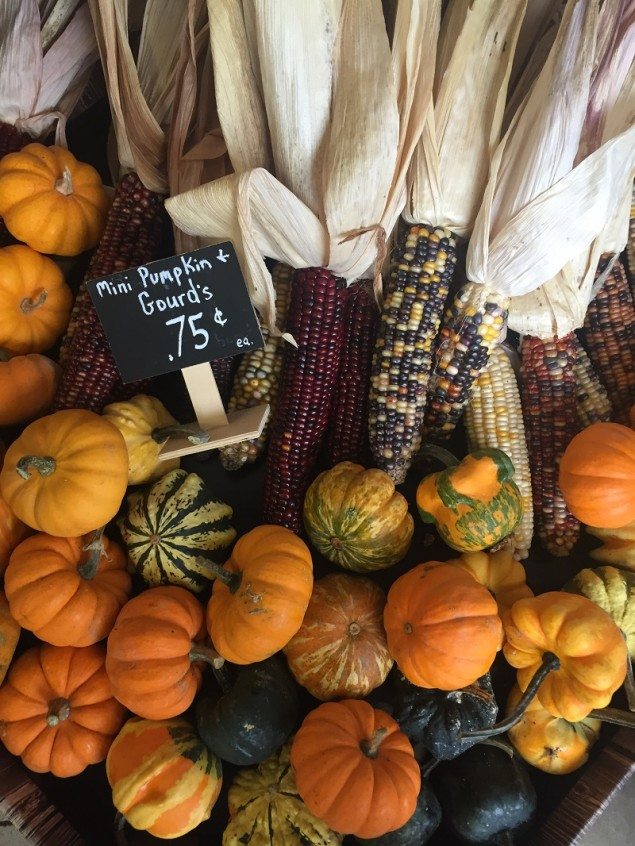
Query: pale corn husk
{"points": [[45, 60], [451, 163]]}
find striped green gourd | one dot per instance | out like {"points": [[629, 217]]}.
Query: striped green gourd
{"points": [[614, 591], [173, 527]]}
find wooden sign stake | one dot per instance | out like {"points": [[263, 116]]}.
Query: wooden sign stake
{"points": [[223, 429]]}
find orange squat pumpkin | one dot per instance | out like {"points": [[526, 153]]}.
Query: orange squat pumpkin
{"points": [[153, 655], [443, 627], [57, 710], [12, 531], [9, 635], [67, 591], [355, 769], [35, 301], [51, 201], [27, 387]]}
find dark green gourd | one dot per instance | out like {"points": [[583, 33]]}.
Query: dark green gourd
{"points": [[419, 828]]}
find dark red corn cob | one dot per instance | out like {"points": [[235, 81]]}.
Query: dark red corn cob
{"points": [[347, 438], [223, 370], [548, 392], [309, 375], [132, 236], [11, 140]]}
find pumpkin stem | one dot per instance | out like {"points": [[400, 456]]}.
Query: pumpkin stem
{"points": [[199, 652], [59, 710], [44, 464], [232, 580], [370, 747], [65, 183], [614, 716], [194, 434], [88, 570], [549, 662], [29, 304], [120, 829], [443, 455]]}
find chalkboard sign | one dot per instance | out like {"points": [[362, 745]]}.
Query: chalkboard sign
{"points": [[176, 312]]}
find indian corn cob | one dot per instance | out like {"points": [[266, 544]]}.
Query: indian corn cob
{"points": [[223, 370], [258, 376], [309, 375], [472, 326], [131, 237], [11, 140], [347, 438], [630, 246], [608, 336], [548, 391], [592, 399], [423, 265], [494, 418]]}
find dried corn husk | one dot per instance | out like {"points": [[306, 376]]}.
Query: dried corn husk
{"points": [[45, 61]]}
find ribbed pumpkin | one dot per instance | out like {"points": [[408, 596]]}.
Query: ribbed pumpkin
{"points": [[265, 809], [12, 531], [618, 546], [67, 591], [355, 769], [66, 474], [52, 202], [550, 743], [596, 475], [142, 421], [340, 650], [614, 591], [474, 504], [590, 647], [9, 636], [35, 301], [27, 387], [154, 653], [175, 529], [163, 778], [261, 595], [355, 518], [57, 710], [442, 626]]}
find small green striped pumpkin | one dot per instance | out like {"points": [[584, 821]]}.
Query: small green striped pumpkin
{"points": [[171, 525], [614, 591]]}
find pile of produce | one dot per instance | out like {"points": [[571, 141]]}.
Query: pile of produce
{"points": [[344, 630]]}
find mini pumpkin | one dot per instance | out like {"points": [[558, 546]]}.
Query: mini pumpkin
{"points": [[27, 387], [67, 591], [443, 627], [596, 475], [35, 301], [145, 424], [260, 595], [588, 644], [618, 546], [355, 769], [12, 531], [154, 653], [57, 711], [265, 808], [51, 201], [550, 743], [340, 650], [355, 518], [474, 504], [66, 474], [174, 531], [9, 636], [163, 778]]}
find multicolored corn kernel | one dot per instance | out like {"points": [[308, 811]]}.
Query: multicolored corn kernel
{"points": [[593, 402]]}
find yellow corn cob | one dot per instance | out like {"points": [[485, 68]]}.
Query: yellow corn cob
{"points": [[592, 400], [257, 378], [494, 418]]}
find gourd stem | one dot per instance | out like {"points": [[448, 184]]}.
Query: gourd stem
{"points": [[614, 716], [65, 183], [120, 830], [498, 744], [232, 580], [59, 710], [443, 455], [431, 765], [550, 662], [629, 684], [88, 570], [223, 677], [28, 304], [370, 747], [198, 652], [44, 464], [194, 434]]}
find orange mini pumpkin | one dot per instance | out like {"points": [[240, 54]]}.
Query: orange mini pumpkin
{"points": [[57, 710], [35, 301], [67, 591], [153, 655], [355, 769], [597, 475], [12, 531], [51, 201], [443, 627], [9, 635], [27, 387]]}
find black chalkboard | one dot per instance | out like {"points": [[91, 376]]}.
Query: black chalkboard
{"points": [[176, 312]]}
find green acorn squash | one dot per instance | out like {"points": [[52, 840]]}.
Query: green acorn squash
{"points": [[173, 527]]}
